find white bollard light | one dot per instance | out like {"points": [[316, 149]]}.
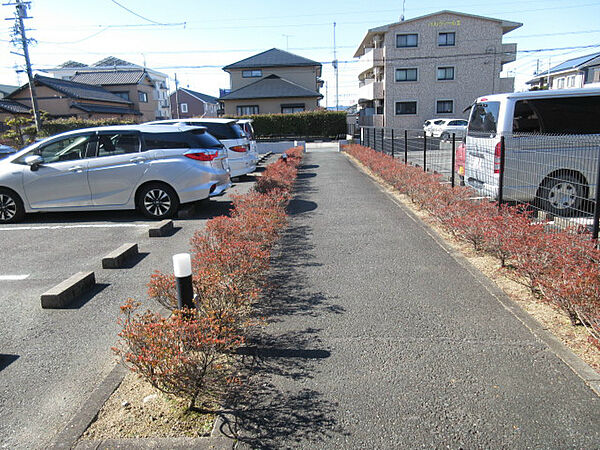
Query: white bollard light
{"points": [[182, 268]]}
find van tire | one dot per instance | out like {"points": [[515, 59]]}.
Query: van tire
{"points": [[562, 195]]}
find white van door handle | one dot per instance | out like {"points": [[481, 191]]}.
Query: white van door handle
{"points": [[76, 169], [137, 159]]}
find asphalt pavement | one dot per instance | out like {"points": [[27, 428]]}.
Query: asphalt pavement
{"points": [[378, 337], [52, 360]]}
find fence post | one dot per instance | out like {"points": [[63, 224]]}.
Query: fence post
{"points": [[501, 174], [452, 168], [361, 135], [424, 151], [405, 147], [392, 142], [382, 142], [595, 225]]}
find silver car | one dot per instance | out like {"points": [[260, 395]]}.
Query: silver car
{"points": [[152, 168], [240, 154]]}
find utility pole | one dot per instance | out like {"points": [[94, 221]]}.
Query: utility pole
{"points": [[335, 68], [18, 35], [177, 95]]}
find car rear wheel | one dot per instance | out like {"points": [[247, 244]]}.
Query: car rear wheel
{"points": [[157, 201], [11, 207], [562, 195]]}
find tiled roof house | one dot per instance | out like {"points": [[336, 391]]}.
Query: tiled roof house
{"points": [[274, 81]]}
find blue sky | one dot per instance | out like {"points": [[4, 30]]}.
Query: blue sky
{"points": [[218, 33]]}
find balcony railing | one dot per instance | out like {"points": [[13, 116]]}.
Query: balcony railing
{"points": [[370, 89], [372, 58]]}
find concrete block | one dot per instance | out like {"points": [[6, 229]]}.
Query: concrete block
{"points": [[64, 293], [117, 258], [161, 229]]}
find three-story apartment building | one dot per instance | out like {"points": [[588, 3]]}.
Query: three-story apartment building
{"points": [[432, 66]]}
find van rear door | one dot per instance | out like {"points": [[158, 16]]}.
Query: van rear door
{"points": [[482, 158]]}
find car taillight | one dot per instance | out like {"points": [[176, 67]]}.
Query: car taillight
{"points": [[497, 154], [204, 155], [239, 148]]}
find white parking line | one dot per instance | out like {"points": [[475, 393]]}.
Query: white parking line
{"points": [[13, 277], [61, 227]]}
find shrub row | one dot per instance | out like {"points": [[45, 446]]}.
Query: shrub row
{"points": [[189, 354], [560, 267], [327, 124], [55, 126]]}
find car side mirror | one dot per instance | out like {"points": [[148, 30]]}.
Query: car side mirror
{"points": [[34, 161]]}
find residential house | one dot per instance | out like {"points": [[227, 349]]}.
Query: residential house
{"points": [[432, 66], [64, 98], [274, 81], [583, 71], [134, 85], [10, 109], [67, 71], [192, 104], [6, 89]]}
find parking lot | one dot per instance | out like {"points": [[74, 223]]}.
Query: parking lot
{"points": [[52, 359]]}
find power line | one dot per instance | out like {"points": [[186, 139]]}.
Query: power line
{"points": [[142, 17]]}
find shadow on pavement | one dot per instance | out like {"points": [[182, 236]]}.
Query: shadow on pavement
{"points": [[7, 360], [271, 409]]}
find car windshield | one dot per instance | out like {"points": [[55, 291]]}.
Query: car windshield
{"points": [[484, 118]]}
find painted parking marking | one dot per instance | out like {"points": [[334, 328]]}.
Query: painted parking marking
{"points": [[63, 227], [13, 277]]}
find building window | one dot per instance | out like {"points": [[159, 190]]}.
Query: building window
{"points": [[124, 95], [446, 39], [445, 106], [292, 108], [560, 84], [246, 110], [445, 73], [406, 108], [407, 40], [252, 73], [571, 81], [184, 107], [143, 97], [406, 74]]}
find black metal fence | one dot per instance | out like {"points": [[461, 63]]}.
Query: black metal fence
{"points": [[555, 176]]}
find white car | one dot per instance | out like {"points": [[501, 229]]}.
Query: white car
{"points": [[447, 127], [152, 168], [246, 125], [241, 159]]}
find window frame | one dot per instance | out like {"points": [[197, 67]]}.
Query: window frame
{"points": [[183, 107], [416, 69], [416, 113], [239, 108], [444, 100], [301, 107], [142, 97], [252, 73], [446, 34], [437, 73], [407, 34]]}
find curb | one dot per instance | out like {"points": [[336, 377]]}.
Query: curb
{"points": [[161, 229], [64, 293], [116, 258], [589, 376], [69, 437]]}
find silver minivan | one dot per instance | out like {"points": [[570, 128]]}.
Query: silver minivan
{"points": [[154, 169], [551, 147]]}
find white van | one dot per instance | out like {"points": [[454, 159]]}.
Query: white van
{"points": [[552, 141]]}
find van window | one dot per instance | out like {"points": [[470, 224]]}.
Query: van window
{"points": [[222, 130], [484, 118], [561, 115]]}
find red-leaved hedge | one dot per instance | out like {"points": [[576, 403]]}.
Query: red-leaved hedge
{"points": [[188, 354], [560, 267]]}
